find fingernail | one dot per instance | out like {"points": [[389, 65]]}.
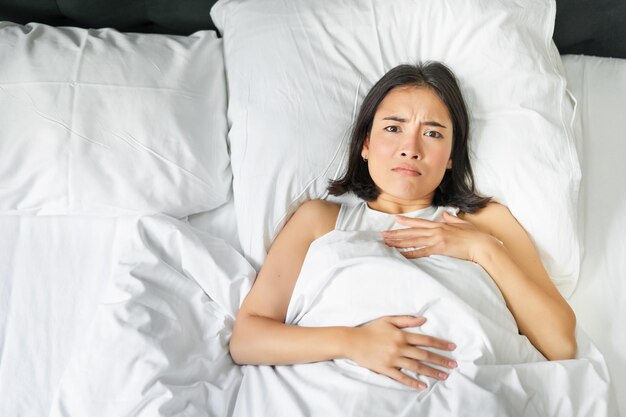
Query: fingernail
{"points": [[421, 386], [451, 346], [452, 364], [442, 375]]}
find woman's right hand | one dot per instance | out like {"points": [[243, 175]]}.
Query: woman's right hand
{"points": [[381, 346]]}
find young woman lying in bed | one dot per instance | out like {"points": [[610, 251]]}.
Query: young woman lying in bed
{"points": [[408, 156]]}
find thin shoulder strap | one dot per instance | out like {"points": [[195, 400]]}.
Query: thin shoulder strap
{"points": [[348, 217], [340, 223]]}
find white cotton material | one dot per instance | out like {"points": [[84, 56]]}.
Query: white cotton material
{"points": [[156, 343], [95, 121], [599, 85]]}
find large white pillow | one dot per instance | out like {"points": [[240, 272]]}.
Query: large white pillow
{"points": [[98, 121], [298, 71]]}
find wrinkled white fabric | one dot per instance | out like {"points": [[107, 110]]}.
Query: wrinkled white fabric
{"points": [[351, 277], [158, 343]]}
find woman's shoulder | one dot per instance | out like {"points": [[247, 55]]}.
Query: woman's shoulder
{"points": [[319, 207], [319, 215], [491, 209], [493, 215]]}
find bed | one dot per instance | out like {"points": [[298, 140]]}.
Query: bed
{"points": [[145, 170]]}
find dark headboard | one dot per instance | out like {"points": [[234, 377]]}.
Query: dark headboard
{"points": [[588, 27], [591, 27], [177, 17]]}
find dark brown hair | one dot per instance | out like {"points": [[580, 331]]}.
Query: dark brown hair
{"points": [[457, 186]]}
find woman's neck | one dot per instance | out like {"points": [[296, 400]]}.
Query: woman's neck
{"points": [[397, 206]]}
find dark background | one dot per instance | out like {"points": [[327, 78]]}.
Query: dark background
{"points": [[587, 27]]}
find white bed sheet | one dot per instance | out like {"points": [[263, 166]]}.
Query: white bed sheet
{"points": [[219, 222], [53, 270], [499, 373], [599, 85], [116, 316], [158, 343]]}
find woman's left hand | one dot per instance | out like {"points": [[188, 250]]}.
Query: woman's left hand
{"points": [[452, 237]]}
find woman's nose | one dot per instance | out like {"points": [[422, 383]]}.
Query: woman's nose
{"points": [[411, 155], [412, 149]]}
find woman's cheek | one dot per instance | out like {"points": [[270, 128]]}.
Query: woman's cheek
{"points": [[441, 154], [377, 172]]}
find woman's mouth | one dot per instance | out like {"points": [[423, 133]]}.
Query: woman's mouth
{"points": [[412, 172]]}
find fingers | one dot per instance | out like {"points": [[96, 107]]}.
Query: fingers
{"points": [[405, 379], [418, 253], [410, 238], [411, 232], [416, 248], [415, 222], [389, 349], [409, 242], [414, 359], [449, 218], [421, 369], [416, 367], [402, 322], [417, 339], [415, 251], [422, 227], [424, 355]]}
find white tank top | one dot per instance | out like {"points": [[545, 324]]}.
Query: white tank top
{"points": [[361, 217]]}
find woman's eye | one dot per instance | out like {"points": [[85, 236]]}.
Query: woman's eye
{"points": [[392, 129], [433, 134]]}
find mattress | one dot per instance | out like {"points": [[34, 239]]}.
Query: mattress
{"points": [[54, 270], [599, 84]]}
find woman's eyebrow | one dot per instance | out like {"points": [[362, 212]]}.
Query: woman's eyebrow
{"points": [[434, 123], [403, 120], [395, 118]]}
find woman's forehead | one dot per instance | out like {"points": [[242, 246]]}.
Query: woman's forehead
{"points": [[411, 101]]}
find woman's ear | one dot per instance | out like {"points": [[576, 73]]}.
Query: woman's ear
{"points": [[366, 147], [449, 166]]}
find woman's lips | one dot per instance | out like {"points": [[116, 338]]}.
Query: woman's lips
{"points": [[406, 171]]}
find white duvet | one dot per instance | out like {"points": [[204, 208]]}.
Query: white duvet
{"points": [[349, 278], [157, 345]]}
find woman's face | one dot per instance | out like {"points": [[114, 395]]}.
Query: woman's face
{"points": [[408, 149]]}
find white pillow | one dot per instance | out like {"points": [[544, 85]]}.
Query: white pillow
{"points": [[298, 71], [98, 121]]}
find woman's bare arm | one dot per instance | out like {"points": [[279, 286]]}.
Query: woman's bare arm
{"points": [[542, 314], [260, 335], [540, 311]]}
